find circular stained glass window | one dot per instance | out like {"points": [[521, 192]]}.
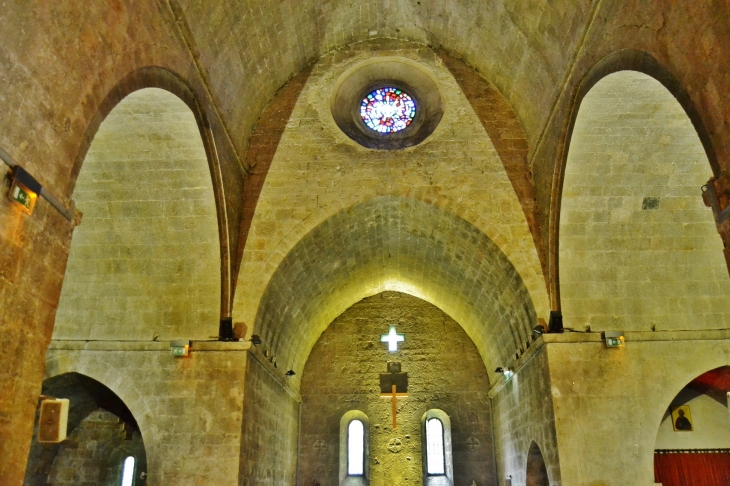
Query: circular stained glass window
{"points": [[388, 110]]}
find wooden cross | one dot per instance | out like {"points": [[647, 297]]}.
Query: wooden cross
{"points": [[394, 396], [394, 385]]}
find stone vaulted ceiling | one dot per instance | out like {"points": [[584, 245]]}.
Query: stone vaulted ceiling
{"points": [[250, 49]]}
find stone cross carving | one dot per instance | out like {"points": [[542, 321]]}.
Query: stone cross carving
{"points": [[392, 338]]}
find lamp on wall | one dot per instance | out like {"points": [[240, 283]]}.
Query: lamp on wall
{"points": [[505, 371]]}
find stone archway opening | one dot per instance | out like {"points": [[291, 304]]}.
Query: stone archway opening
{"points": [[536, 474], [102, 433], [693, 441]]}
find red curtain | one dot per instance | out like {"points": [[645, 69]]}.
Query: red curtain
{"points": [[692, 469]]}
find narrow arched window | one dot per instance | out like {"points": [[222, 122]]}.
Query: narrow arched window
{"points": [[435, 447], [128, 472], [355, 448], [438, 466]]}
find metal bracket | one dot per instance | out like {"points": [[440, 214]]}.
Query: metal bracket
{"points": [[720, 216]]}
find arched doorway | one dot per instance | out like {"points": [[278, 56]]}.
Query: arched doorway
{"points": [[693, 441], [537, 474], [102, 434]]}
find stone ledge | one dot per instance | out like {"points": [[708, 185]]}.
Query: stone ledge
{"points": [[639, 336], [196, 346]]}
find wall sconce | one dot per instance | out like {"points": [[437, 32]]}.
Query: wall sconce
{"points": [[614, 339], [180, 348], [505, 371]]}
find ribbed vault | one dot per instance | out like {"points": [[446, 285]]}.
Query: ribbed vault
{"points": [[395, 243], [523, 46]]}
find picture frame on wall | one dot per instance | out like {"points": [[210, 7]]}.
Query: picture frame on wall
{"points": [[682, 419]]}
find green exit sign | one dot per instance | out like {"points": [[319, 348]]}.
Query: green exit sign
{"points": [[23, 196], [614, 339], [613, 342], [180, 348], [180, 352]]}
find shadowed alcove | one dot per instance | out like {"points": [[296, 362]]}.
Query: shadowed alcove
{"points": [[101, 434]]}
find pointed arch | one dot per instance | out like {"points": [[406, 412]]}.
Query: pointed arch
{"points": [[621, 60], [638, 248], [94, 408], [146, 259], [161, 78], [536, 474]]}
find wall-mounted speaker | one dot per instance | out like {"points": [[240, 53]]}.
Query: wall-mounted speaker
{"points": [[53, 421]]}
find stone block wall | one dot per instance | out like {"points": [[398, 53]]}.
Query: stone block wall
{"points": [[609, 403], [84, 458], [270, 431], [638, 248], [522, 410], [318, 171], [188, 409], [445, 372], [145, 260]]}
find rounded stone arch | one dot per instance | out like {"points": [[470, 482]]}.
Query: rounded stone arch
{"points": [[621, 60], [344, 452], [167, 80], [88, 397], [401, 244], [700, 406], [536, 473]]}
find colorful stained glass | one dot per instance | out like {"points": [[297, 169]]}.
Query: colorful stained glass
{"points": [[388, 110]]}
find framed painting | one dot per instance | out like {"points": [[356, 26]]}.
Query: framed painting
{"points": [[682, 419]]}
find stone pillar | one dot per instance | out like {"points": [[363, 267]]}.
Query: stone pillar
{"points": [[33, 254]]}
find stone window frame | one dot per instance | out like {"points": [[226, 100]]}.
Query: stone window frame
{"points": [[345, 479], [115, 465], [446, 479]]}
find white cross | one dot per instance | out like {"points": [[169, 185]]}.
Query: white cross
{"points": [[392, 339]]}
